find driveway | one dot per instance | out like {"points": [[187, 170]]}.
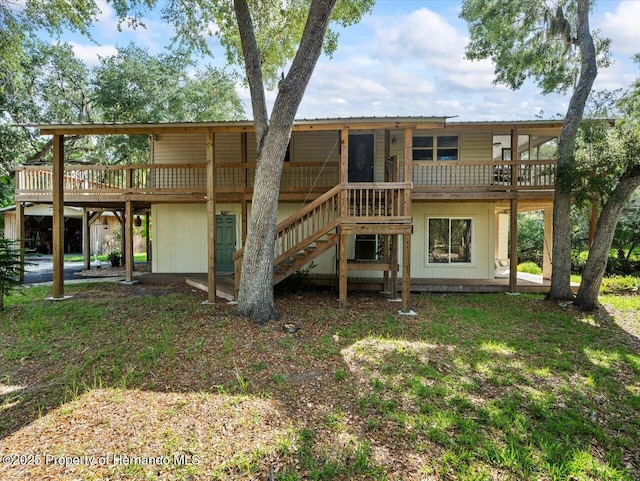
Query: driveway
{"points": [[41, 270]]}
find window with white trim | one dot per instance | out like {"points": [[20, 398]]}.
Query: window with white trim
{"points": [[449, 240], [440, 147]]}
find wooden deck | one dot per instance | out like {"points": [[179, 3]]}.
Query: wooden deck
{"points": [[526, 283]]}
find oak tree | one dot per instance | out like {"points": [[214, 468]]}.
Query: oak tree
{"points": [[277, 44], [550, 42]]}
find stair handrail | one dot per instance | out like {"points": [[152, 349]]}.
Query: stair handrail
{"points": [[281, 227]]}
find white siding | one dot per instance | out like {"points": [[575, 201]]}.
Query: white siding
{"points": [[483, 218], [179, 233]]}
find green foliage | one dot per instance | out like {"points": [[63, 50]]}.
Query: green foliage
{"points": [[11, 265], [278, 27], [528, 39], [52, 85], [6, 190], [618, 285], [530, 237], [529, 267]]}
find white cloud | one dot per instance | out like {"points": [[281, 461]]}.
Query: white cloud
{"points": [[622, 27], [90, 54], [154, 35], [421, 34]]}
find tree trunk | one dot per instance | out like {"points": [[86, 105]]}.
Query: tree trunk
{"points": [[596, 265], [255, 297], [561, 255]]}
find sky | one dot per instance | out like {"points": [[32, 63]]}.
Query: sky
{"points": [[406, 58]]}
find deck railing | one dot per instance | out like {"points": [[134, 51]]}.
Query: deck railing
{"points": [[113, 180], [483, 176], [298, 177], [376, 202]]}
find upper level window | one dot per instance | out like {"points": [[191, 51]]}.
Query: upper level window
{"points": [[441, 147]]}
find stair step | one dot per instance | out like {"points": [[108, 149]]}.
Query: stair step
{"points": [[300, 255]]}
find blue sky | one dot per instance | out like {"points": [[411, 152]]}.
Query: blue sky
{"points": [[406, 58]]}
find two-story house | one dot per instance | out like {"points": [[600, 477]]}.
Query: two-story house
{"points": [[383, 199]]}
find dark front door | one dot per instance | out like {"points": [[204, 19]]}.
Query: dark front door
{"points": [[361, 158], [225, 242]]}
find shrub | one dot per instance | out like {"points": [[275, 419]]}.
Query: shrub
{"points": [[530, 268], [11, 264], [620, 285]]}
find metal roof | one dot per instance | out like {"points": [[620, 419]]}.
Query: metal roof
{"points": [[300, 124]]}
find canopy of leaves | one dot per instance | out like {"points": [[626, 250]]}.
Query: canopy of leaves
{"points": [[528, 38], [53, 86]]}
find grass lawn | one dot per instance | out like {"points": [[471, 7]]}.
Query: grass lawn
{"points": [[144, 382]]}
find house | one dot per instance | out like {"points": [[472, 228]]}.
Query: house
{"points": [[378, 198]]}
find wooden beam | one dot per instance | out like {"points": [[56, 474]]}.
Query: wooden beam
{"points": [[420, 123], [394, 266], [513, 218], [343, 171], [245, 187], [408, 155], [380, 229], [20, 234], [128, 241], [147, 225], [513, 248], [342, 271], [547, 245], [211, 218], [406, 251], [86, 238], [387, 178], [58, 217], [406, 273]]}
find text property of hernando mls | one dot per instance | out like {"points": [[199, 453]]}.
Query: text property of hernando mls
{"points": [[110, 459]]}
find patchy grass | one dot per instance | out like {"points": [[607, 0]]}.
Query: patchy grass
{"points": [[149, 384]]}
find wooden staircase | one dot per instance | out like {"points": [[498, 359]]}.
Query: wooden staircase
{"points": [[376, 208], [296, 262]]}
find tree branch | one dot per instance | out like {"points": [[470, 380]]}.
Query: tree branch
{"points": [[292, 88], [253, 67]]}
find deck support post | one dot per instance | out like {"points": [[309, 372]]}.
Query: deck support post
{"points": [[342, 271], [513, 226], [148, 237], [387, 178], [406, 251], [406, 273], [86, 239], [547, 244], [128, 241], [394, 266], [58, 217], [211, 219], [20, 234], [343, 178], [245, 187], [513, 248]]}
